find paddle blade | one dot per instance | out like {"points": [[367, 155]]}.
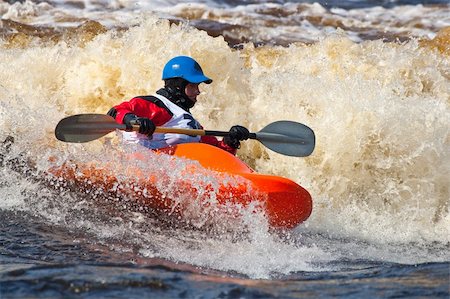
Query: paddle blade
{"points": [[288, 138], [85, 127]]}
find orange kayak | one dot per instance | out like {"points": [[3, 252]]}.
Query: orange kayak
{"points": [[285, 203]]}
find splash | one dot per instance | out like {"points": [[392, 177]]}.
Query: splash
{"points": [[441, 42], [380, 168], [172, 188]]}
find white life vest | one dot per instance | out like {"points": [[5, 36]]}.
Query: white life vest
{"points": [[180, 119]]}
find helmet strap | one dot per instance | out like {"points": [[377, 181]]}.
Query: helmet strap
{"points": [[174, 90]]}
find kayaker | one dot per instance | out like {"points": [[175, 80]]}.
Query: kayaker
{"points": [[170, 107]]}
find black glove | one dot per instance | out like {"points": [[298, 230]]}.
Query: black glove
{"points": [[146, 126], [112, 112], [236, 134]]}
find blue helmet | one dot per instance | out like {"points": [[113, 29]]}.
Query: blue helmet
{"points": [[184, 67]]}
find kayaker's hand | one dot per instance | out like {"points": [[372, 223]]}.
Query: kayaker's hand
{"points": [[146, 126], [236, 134], [112, 112], [239, 133]]}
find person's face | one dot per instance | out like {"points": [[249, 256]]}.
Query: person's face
{"points": [[192, 91]]}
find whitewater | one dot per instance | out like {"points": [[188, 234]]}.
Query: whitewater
{"points": [[379, 176]]}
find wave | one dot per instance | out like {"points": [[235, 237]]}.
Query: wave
{"points": [[280, 23]]}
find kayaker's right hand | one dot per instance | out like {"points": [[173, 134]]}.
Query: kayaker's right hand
{"points": [[146, 126]]}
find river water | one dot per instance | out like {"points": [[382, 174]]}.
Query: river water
{"points": [[372, 78]]}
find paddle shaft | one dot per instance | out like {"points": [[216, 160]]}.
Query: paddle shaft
{"points": [[196, 132]]}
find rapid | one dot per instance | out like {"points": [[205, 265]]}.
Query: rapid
{"points": [[373, 82]]}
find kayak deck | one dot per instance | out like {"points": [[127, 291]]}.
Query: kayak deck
{"points": [[287, 204]]}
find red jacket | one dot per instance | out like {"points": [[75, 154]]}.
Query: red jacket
{"points": [[159, 114]]}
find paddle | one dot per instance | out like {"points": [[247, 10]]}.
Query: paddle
{"points": [[284, 137]]}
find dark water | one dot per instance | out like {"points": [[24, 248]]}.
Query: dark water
{"points": [[41, 261]]}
